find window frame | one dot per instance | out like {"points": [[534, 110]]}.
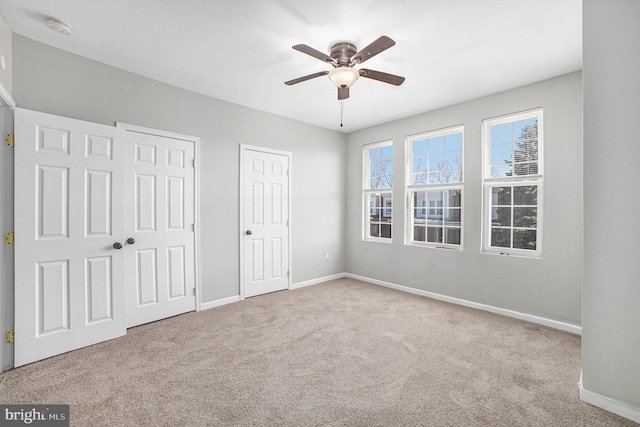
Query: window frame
{"points": [[386, 194], [488, 183], [411, 189]]}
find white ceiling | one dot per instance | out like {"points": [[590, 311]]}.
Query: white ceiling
{"points": [[240, 51]]}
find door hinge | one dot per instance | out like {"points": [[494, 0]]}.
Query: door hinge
{"points": [[288, 273], [288, 223], [193, 227], [194, 163], [9, 337], [9, 238], [11, 140], [195, 291]]}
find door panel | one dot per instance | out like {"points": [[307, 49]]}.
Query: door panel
{"points": [[265, 220], [69, 210], [160, 216]]}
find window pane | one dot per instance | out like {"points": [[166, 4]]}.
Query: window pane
{"points": [[524, 239], [385, 231], [501, 237], [419, 178], [419, 233], [380, 172], [455, 176], [452, 236], [388, 205], [525, 195], [501, 196], [526, 128], [501, 133], [420, 210], [501, 216], [375, 201], [375, 155], [453, 142], [434, 234], [436, 145], [525, 217], [374, 214], [501, 153], [437, 178], [501, 171], [454, 198], [434, 198], [521, 169], [452, 216], [419, 164], [454, 159], [436, 162], [386, 152], [374, 230], [420, 148]]}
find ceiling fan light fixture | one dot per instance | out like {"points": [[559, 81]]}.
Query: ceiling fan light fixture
{"points": [[343, 76]]}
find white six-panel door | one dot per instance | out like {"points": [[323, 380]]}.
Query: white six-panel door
{"points": [[160, 218], [265, 218], [69, 212]]}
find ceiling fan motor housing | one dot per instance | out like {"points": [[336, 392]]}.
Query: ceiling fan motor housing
{"points": [[342, 53]]}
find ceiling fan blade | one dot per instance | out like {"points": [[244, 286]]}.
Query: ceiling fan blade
{"points": [[383, 77], [343, 93], [305, 78], [383, 43], [315, 53]]}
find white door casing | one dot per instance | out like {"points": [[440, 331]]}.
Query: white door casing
{"points": [[69, 211], [265, 212], [160, 216]]}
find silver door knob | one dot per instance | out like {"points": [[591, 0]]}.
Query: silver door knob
{"points": [[248, 232], [117, 245], [131, 241]]}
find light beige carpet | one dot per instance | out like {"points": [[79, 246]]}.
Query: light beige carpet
{"points": [[341, 353]]}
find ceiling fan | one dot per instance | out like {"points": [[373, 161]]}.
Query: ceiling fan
{"points": [[344, 56]]}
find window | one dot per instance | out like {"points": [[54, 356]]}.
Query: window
{"points": [[513, 184], [435, 170], [377, 190]]}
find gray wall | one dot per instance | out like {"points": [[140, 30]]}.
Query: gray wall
{"points": [[5, 49], [549, 287], [52, 81], [611, 291]]}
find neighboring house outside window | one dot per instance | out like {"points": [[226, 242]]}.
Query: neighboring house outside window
{"points": [[377, 191], [434, 188], [513, 179]]}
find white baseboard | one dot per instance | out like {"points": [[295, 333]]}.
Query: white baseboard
{"points": [[567, 327], [318, 280], [219, 302], [608, 404]]}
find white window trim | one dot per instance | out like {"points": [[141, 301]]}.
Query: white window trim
{"points": [[410, 189], [489, 182], [367, 191]]}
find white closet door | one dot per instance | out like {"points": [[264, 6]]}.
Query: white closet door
{"points": [[160, 217], [265, 195], [69, 212]]}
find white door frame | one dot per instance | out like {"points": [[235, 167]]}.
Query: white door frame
{"points": [[7, 107], [243, 149], [196, 195]]}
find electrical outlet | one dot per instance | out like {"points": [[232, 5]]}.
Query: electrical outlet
{"points": [[326, 256]]}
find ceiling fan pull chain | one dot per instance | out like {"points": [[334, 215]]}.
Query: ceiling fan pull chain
{"points": [[341, 111]]}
